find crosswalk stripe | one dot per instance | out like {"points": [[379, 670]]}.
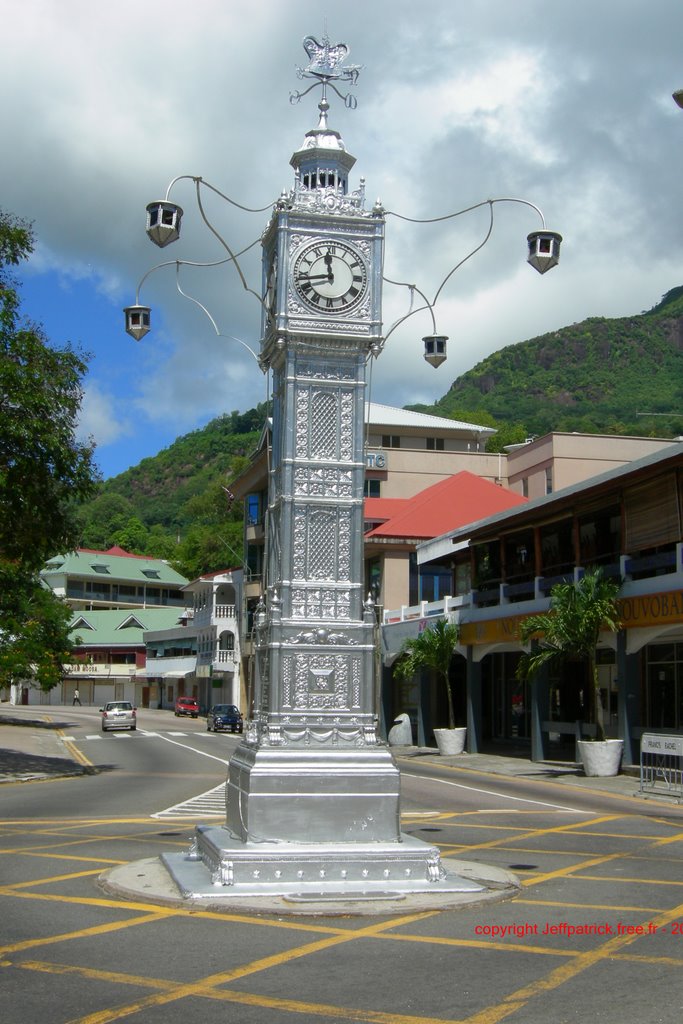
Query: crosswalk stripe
{"points": [[207, 805]]}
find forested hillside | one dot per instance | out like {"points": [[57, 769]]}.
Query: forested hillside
{"points": [[174, 505], [598, 376]]}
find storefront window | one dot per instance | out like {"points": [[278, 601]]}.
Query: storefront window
{"points": [[664, 686]]}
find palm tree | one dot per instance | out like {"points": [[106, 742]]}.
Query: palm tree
{"points": [[578, 613], [432, 649]]}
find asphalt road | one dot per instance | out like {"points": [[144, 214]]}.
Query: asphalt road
{"points": [[596, 930]]}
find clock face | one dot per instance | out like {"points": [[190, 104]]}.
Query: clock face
{"points": [[330, 276]]}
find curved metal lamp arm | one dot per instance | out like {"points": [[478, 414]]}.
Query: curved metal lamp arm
{"points": [[200, 181], [467, 209], [468, 257], [247, 209], [189, 263], [434, 220], [411, 312], [227, 248], [203, 308]]}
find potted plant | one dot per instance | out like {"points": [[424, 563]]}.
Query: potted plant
{"points": [[569, 631], [433, 650]]}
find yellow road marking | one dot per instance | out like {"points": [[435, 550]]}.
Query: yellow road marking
{"points": [[309, 925], [100, 929], [206, 985], [243, 998], [53, 878], [566, 972], [73, 751], [670, 839], [570, 869], [68, 856], [625, 879], [620, 908], [94, 974], [570, 828]]}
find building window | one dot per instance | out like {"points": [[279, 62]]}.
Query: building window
{"points": [[391, 441], [435, 581], [600, 536], [254, 560], [435, 444], [549, 480], [371, 488], [557, 547], [253, 509], [525, 486]]}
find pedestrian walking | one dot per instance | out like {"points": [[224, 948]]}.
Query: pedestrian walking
{"points": [[77, 698]]}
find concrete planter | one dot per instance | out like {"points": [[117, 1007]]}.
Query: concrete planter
{"points": [[450, 741], [601, 757]]}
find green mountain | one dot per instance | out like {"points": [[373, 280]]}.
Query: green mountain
{"points": [[175, 505], [598, 376]]}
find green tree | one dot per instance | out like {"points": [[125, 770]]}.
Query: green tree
{"points": [[209, 548], [102, 517], [133, 536], [433, 650], [34, 630], [44, 469], [507, 433], [570, 630], [44, 472]]}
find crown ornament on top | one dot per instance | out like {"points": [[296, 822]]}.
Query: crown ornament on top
{"points": [[325, 66]]}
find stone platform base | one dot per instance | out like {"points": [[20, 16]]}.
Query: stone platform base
{"points": [[218, 864]]}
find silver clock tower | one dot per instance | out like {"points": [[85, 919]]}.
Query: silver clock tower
{"points": [[313, 794]]}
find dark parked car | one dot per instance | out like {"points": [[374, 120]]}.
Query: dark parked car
{"points": [[187, 706], [118, 714], [222, 717]]}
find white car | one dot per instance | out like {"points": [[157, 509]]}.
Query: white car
{"points": [[118, 714]]}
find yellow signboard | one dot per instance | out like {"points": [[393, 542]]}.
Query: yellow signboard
{"points": [[651, 609], [643, 610]]}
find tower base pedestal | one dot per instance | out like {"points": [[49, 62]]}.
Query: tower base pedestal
{"points": [[219, 864]]}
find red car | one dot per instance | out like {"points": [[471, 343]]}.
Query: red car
{"points": [[187, 706]]}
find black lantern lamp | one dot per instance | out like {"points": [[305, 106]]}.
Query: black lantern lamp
{"points": [[163, 222], [544, 250], [138, 321], [678, 97], [435, 349]]}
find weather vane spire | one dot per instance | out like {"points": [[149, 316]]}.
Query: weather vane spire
{"points": [[325, 66]]}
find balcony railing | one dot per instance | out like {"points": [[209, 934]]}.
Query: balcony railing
{"points": [[100, 669], [225, 611], [497, 592]]}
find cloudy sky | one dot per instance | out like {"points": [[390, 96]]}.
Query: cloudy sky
{"points": [[567, 105]]}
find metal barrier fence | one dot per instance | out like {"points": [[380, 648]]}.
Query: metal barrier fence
{"points": [[661, 764]]}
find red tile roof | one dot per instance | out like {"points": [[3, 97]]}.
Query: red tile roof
{"points": [[117, 552], [378, 510], [461, 499]]}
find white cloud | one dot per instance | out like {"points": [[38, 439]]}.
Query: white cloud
{"points": [[568, 106], [101, 417]]}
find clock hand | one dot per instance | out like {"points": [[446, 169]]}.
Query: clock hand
{"points": [[329, 276]]}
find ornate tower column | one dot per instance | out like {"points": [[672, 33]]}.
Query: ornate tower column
{"points": [[313, 795], [313, 735]]}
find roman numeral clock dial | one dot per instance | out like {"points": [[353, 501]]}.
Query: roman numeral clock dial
{"points": [[330, 277]]}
